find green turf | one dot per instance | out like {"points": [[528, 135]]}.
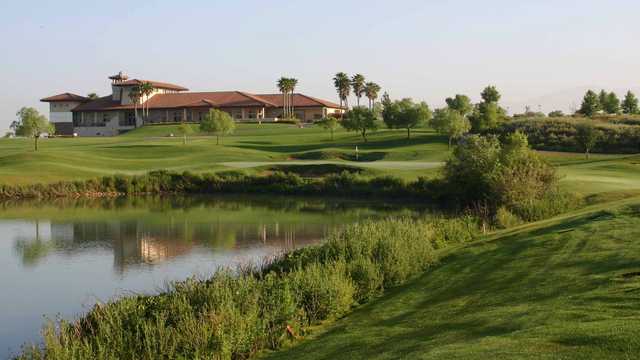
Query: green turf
{"points": [[562, 289], [388, 152], [151, 148]]}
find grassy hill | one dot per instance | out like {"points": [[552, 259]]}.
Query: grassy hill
{"points": [[254, 147], [567, 288]]}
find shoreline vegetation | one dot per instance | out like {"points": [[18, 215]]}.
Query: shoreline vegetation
{"points": [[237, 314]]}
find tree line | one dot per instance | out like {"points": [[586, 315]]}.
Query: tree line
{"points": [[608, 103]]}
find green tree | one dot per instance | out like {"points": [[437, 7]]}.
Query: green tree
{"points": [[92, 96], [371, 91], [342, 83], [611, 104], [460, 103], [556, 113], [587, 137], [330, 123], [185, 129], [450, 122], [360, 119], [358, 83], [33, 124], [490, 94], [218, 122], [405, 114], [630, 103], [602, 99], [590, 104], [485, 116]]}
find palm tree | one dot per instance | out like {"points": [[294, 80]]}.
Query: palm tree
{"points": [[146, 89], [292, 83], [343, 86], [134, 96], [282, 86], [371, 91], [358, 85]]}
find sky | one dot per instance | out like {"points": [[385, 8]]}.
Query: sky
{"points": [[532, 51]]}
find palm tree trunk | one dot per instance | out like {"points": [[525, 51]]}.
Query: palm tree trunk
{"points": [[284, 105], [408, 133], [36, 142], [293, 110]]}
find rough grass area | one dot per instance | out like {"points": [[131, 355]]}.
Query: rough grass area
{"points": [[560, 289], [317, 170]]}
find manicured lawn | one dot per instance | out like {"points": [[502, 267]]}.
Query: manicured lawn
{"points": [[254, 146], [567, 288], [150, 148]]}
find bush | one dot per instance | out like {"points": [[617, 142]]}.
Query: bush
{"points": [[619, 134], [506, 219], [485, 171], [323, 291]]}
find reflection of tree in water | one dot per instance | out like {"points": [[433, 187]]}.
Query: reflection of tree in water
{"points": [[139, 243], [145, 231]]}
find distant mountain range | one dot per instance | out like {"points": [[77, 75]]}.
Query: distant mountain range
{"points": [[567, 100]]}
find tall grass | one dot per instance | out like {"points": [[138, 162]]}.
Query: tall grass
{"points": [[235, 315], [161, 182]]}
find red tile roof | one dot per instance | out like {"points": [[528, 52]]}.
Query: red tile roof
{"points": [[156, 84], [207, 99], [219, 98], [65, 97], [299, 100]]}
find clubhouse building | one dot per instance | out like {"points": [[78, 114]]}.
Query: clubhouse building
{"points": [[169, 103]]}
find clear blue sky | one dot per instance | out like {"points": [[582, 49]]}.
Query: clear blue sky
{"points": [[422, 49]]}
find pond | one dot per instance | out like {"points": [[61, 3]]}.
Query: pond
{"points": [[59, 258]]}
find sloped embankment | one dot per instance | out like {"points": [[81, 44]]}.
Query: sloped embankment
{"points": [[565, 288]]}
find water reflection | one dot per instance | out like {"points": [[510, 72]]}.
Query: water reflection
{"points": [[148, 231]]}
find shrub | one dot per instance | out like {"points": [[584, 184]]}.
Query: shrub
{"points": [[618, 134], [323, 292], [506, 219]]}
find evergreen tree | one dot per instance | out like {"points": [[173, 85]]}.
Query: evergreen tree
{"points": [[590, 104], [612, 104], [630, 103]]}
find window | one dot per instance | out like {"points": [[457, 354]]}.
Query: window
{"points": [[105, 118], [251, 114], [317, 116], [176, 116], [237, 114], [129, 119]]}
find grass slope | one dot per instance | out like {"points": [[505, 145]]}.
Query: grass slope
{"points": [[561, 289]]}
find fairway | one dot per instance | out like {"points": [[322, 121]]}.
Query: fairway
{"points": [[153, 147], [561, 289], [388, 152]]}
